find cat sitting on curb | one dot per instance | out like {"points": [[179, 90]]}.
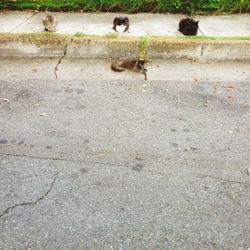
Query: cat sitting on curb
{"points": [[121, 24], [188, 26], [49, 22]]}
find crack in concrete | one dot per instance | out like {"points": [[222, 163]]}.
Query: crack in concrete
{"points": [[202, 50], [23, 23], [32, 202], [60, 60]]}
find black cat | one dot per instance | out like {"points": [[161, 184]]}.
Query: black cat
{"points": [[188, 26], [121, 24]]}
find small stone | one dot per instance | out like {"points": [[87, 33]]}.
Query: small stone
{"points": [[42, 114], [205, 103], [5, 100], [229, 131], [36, 105], [248, 171]]}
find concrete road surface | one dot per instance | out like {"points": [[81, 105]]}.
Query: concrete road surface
{"points": [[140, 24], [124, 164]]}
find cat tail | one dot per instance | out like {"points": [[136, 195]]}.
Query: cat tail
{"points": [[201, 32], [116, 68]]}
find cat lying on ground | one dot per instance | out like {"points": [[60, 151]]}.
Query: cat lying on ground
{"points": [[135, 65]]}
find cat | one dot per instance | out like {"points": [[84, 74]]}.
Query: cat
{"points": [[121, 24], [49, 22], [135, 65], [188, 26]]}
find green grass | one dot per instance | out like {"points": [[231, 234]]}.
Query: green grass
{"points": [[217, 37], [143, 48], [143, 42], [133, 6]]}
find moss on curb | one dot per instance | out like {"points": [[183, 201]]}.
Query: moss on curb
{"points": [[135, 45]]}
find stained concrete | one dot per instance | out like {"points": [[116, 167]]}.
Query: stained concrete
{"points": [[141, 24], [98, 69], [25, 45]]}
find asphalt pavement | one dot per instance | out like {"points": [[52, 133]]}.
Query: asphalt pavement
{"points": [[95, 159], [124, 164]]}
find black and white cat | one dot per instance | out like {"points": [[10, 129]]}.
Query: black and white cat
{"points": [[121, 24]]}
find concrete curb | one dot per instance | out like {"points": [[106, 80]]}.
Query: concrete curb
{"points": [[31, 45]]}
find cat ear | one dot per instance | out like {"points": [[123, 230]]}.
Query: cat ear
{"points": [[197, 21], [126, 19], [115, 21]]}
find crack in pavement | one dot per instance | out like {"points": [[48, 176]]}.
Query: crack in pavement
{"points": [[87, 162], [32, 202], [60, 60], [21, 24], [66, 160], [202, 50], [123, 165]]}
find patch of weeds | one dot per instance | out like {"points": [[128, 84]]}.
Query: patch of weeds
{"points": [[143, 48]]}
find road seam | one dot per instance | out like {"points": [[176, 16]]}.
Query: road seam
{"points": [[23, 23]]}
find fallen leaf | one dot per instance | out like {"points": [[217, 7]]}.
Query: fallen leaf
{"points": [[205, 103]]}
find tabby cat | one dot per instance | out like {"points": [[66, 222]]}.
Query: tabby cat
{"points": [[49, 22]]}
